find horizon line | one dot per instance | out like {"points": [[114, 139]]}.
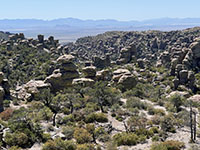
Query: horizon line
{"points": [[99, 19]]}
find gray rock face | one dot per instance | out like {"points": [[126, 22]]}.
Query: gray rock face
{"points": [[183, 76], [63, 77]]}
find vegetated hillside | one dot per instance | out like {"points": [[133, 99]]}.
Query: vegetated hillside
{"points": [[118, 90]]}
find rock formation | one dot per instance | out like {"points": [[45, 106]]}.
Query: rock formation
{"points": [[64, 75], [4, 90]]}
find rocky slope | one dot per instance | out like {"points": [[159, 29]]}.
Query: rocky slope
{"points": [[117, 90]]}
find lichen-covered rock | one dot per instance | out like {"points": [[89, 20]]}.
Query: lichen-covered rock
{"points": [[65, 59], [117, 74], [89, 72], [195, 98], [180, 93], [104, 75], [83, 82]]}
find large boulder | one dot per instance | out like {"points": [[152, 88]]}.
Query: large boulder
{"points": [[117, 74], [179, 93], [89, 72], [127, 82], [195, 98]]}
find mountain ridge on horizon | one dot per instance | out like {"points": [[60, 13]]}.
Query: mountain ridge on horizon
{"points": [[69, 29]]}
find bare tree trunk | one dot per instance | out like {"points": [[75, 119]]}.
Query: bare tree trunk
{"points": [[126, 128], [54, 119], [195, 126], [71, 107], [191, 124]]}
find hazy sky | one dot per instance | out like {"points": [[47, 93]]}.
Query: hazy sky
{"points": [[99, 9]]}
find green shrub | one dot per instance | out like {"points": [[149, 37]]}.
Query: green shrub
{"points": [[126, 139], [59, 144], [14, 148], [16, 139], [68, 131], [177, 101], [168, 145], [82, 136], [134, 102], [154, 129], [85, 147], [66, 119], [99, 117], [6, 103], [154, 111], [168, 123], [155, 138]]}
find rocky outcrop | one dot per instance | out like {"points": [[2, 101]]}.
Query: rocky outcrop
{"points": [[117, 74], [85, 82], [101, 62], [105, 75], [124, 79], [127, 54], [31, 90], [127, 82], [64, 75], [184, 77]]}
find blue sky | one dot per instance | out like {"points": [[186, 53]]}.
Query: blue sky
{"points": [[99, 9]]}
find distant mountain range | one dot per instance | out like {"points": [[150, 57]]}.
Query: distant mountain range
{"points": [[69, 29]]}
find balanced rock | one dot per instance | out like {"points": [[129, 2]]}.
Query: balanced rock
{"points": [[41, 38], [63, 77]]}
